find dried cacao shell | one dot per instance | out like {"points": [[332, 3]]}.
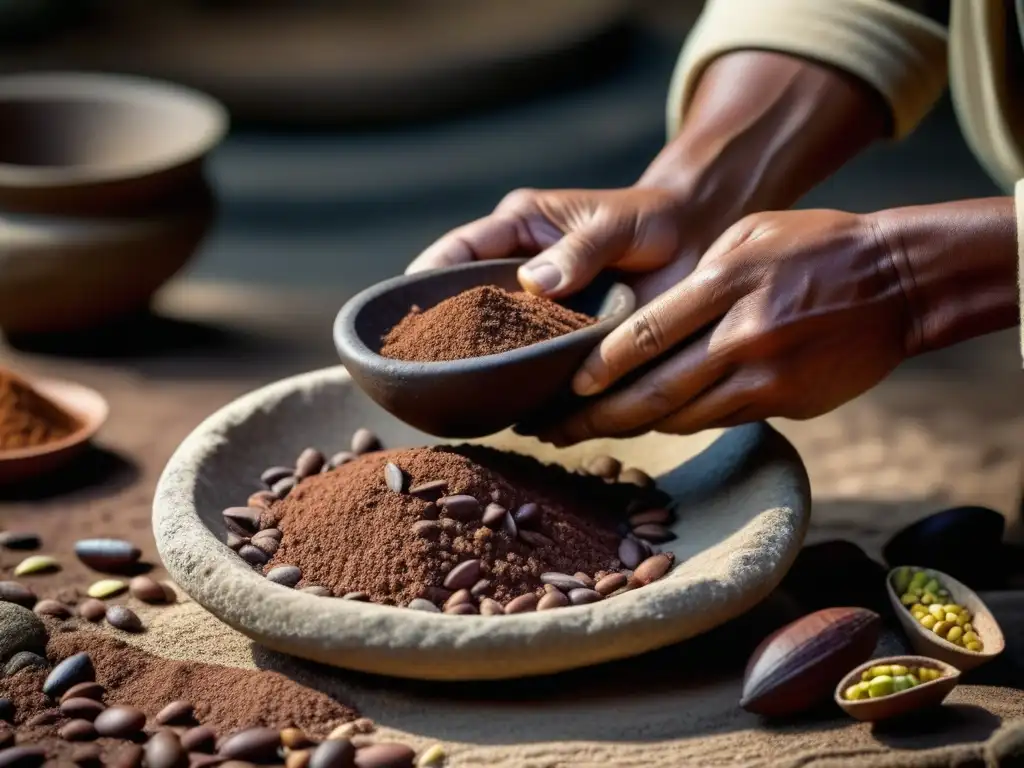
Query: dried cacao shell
{"points": [[799, 665]]}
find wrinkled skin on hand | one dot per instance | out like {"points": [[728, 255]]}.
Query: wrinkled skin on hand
{"points": [[788, 314], [579, 232], [762, 129]]}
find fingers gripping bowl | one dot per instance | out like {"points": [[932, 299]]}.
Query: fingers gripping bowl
{"points": [[743, 505]]}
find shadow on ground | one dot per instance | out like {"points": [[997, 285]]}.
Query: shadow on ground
{"points": [[159, 345], [97, 472], [688, 689], [941, 727], [637, 693]]}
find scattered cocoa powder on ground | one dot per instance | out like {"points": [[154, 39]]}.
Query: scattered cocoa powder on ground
{"points": [[27, 418], [348, 532], [224, 698], [481, 321]]}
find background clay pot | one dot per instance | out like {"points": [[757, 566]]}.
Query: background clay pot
{"points": [[102, 194]]}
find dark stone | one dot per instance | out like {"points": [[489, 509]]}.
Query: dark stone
{"points": [[23, 660], [964, 542], [837, 573], [20, 630]]}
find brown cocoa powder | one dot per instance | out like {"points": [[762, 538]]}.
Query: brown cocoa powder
{"points": [[348, 532], [225, 698], [27, 418], [485, 320]]}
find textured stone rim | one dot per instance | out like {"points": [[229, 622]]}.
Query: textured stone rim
{"points": [[723, 581]]}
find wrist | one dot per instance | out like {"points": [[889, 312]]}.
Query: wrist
{"points": [[956, 265], [762, 129]]}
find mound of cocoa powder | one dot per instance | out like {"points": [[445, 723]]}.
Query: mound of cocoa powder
{"points": [[27, 418], [347, 531], [225, 698], [481, 321]]}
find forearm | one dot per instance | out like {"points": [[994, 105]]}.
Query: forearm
{"points": [[957, 266], [762, 129]]}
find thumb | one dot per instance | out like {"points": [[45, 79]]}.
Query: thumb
{"points": [[573, 262]]}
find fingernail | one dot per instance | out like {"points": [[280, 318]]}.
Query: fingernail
{"points": [[585, 384], [544, 275]]}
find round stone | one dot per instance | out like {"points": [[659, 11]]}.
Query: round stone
{"points": [[20, 630], [24, 660]]}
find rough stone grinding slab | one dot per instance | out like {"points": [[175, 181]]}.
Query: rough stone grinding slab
{"points": [[744, 508]]}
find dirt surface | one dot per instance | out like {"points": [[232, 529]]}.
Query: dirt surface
{"points": [[944, 429]]}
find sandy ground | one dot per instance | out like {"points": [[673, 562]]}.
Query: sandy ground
{"points": [[944, 429]]}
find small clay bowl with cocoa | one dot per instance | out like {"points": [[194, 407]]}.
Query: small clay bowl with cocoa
{"points": [[741, 499], [85, 406], [480, 395]]}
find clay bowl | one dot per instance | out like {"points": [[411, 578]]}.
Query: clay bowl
{"points": [[481, 395], [95, 170], [928, 643], [744, 504], [922, 696], [90, 409], [76, 142]]}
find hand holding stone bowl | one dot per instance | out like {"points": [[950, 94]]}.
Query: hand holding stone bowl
{"points": [[478, 395], [736, 339]]}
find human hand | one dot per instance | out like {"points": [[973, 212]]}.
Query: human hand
{"points": [[577, 234], [788, 314], [762, 128]]}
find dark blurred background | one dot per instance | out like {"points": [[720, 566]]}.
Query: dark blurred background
{"points": [[363, 129]]}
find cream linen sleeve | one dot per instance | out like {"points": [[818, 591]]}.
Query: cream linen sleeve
{"points": [[902, 54]]}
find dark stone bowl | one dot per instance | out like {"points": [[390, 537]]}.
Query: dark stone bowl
{"points": [[478, 396]]}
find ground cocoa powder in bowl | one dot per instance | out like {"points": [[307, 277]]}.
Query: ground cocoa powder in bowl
{"points": [[486, 320], [347, 531], [27, 418]]}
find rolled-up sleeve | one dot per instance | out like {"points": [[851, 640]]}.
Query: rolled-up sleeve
{"points": [[899, 52]]}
